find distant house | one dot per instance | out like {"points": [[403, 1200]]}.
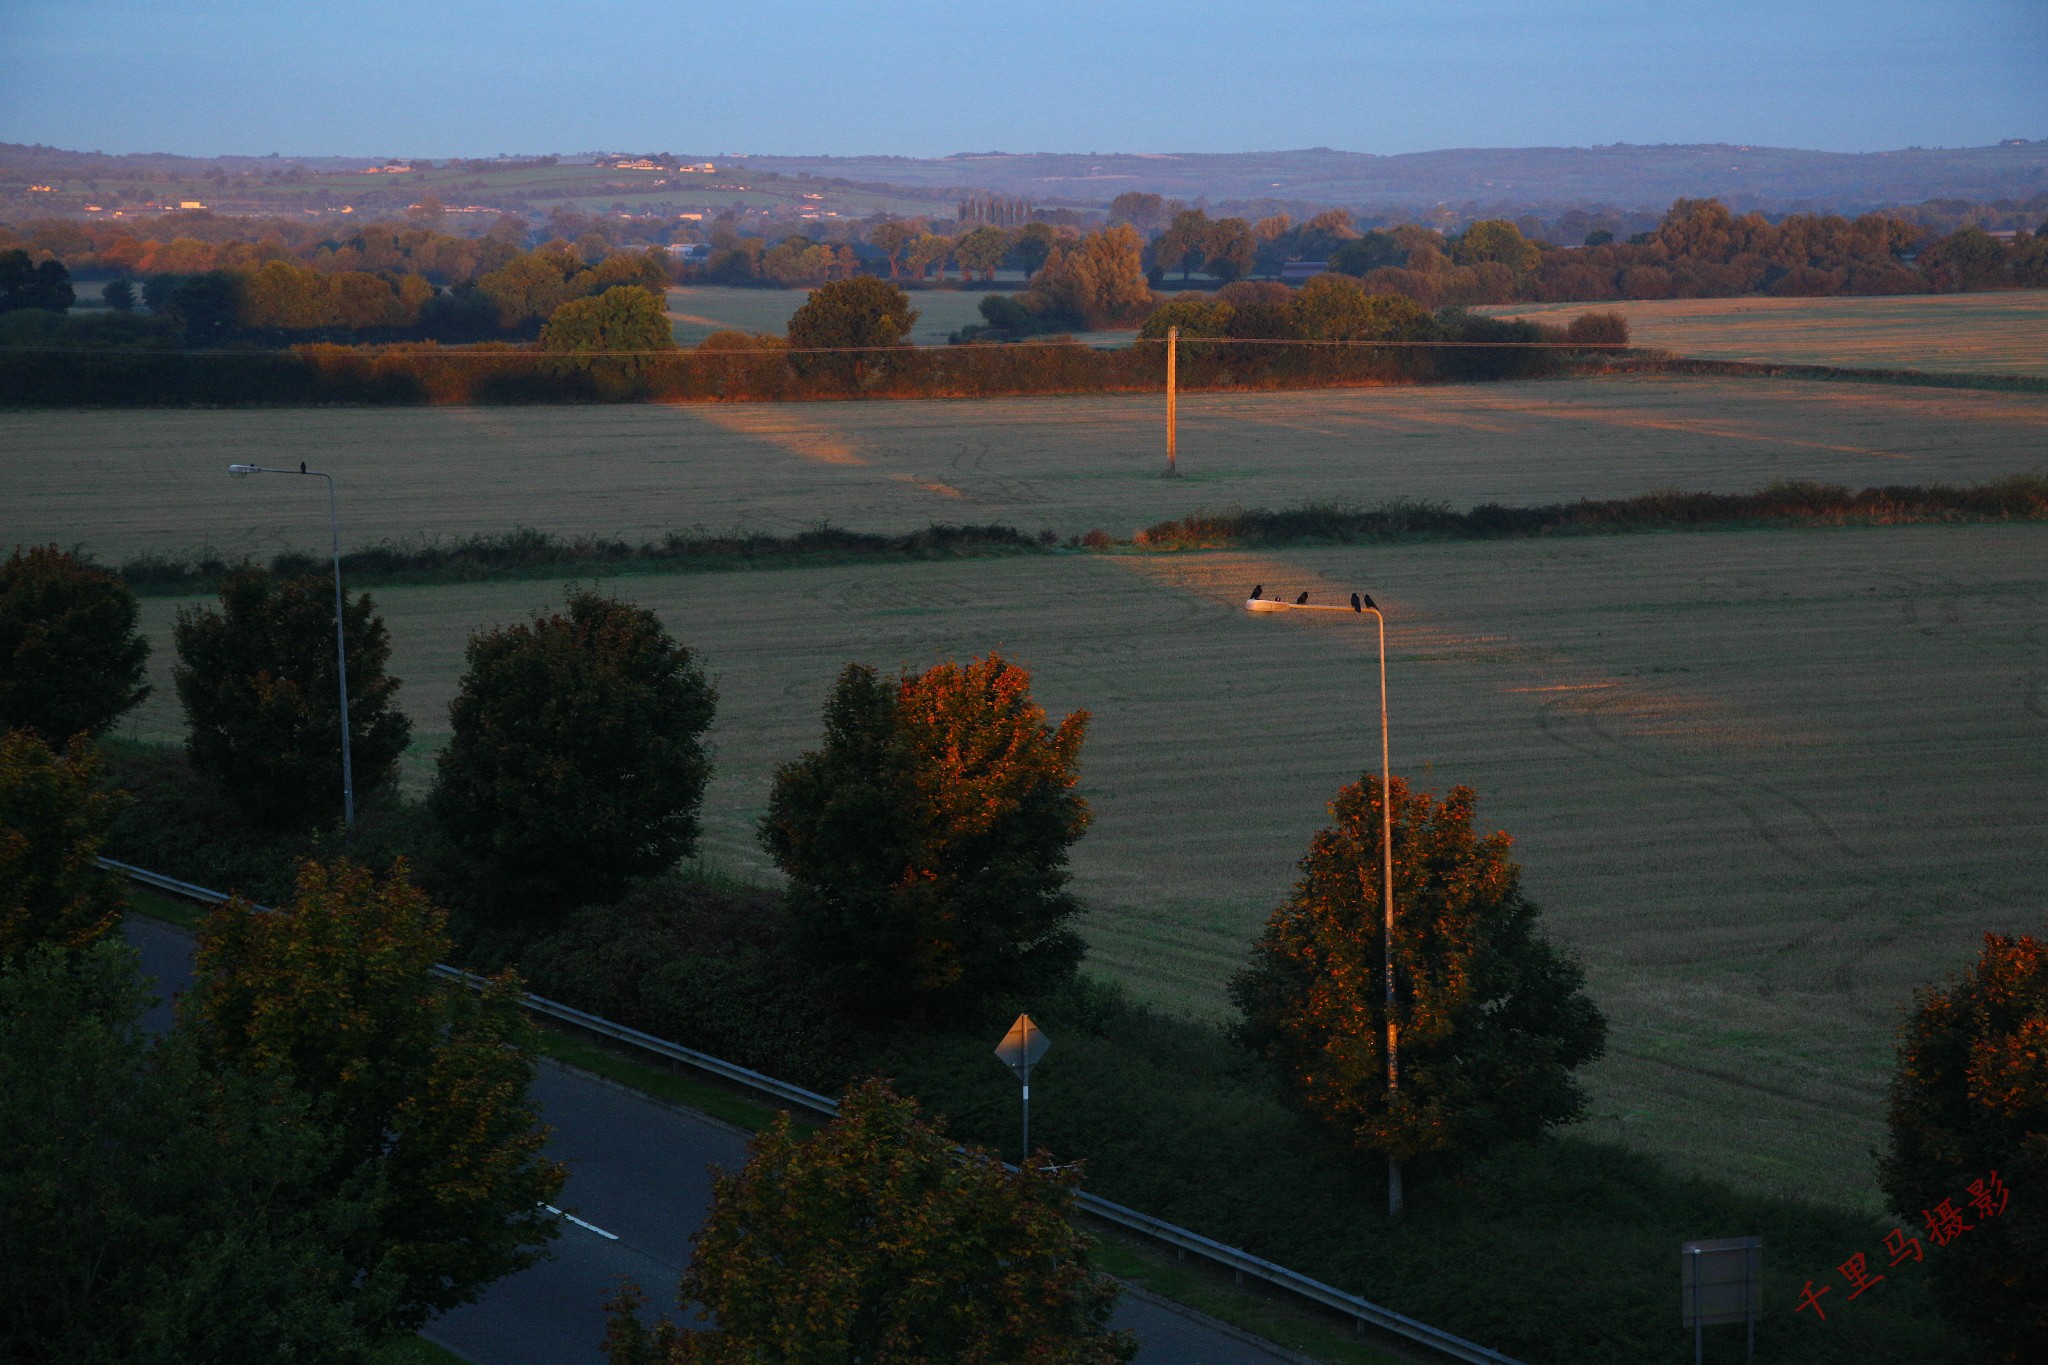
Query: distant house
{"points": [[1294, 272], [690, 253]]}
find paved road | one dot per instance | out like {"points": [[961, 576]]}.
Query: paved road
{"points": [[639, 1177]]}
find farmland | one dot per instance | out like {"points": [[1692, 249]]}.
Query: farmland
{"points": [[1764, 782], [1994, 333]]}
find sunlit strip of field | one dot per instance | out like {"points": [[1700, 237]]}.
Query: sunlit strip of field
{"points": [[121, 483], [2005, 332], [1763, 782]]}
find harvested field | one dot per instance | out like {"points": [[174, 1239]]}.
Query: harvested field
{"points": [[1992, 333], [1763, 782], [124, 483]]}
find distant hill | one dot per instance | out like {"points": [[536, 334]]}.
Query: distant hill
{"points": [[1624, 175]]}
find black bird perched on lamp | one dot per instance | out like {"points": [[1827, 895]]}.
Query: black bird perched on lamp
{"points": [[1370, 603], [1356, 605], [1301, 601], [1256, 590]]}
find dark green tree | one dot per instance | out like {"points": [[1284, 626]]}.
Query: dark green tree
{"points": [[257, 679], [53, 819], [1490, 1018], [207, 309], [1371, 251], [423, 1084], [1969, 1100], [71, 660], [153, 1213], [577, 759], [880, 1239], [863, 312], [120, 295], [926, 841], [614, 334], [28, 284]]}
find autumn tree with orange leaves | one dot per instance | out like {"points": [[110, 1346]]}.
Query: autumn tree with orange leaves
{"points": [[880, 1239], [423, 1083], [926, 840], [1491, 1019], [1969, 1111]]}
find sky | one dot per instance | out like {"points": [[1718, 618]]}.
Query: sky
{"points": [[806, 77]]}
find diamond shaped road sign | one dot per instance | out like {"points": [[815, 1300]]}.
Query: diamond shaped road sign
{"points": [[1022, 1046]]}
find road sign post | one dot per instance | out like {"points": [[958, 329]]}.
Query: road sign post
{"points": [[1020, 1049], [1721, 1282]]}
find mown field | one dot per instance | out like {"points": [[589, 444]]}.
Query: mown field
{"points": [[1764, 782], [122, 483], [1994, 333]]}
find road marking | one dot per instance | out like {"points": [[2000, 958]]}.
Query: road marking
{"points": [[592, 1227]]}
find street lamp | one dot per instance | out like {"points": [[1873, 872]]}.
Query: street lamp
{"points": [[1258, 602], [348, 779]]}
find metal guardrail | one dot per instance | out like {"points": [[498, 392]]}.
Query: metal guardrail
{"points": [[1361, 1311]]}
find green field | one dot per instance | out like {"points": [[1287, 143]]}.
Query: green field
{"points": [[698, 310], [121, 483], [1764, 782], [1994, 333]]}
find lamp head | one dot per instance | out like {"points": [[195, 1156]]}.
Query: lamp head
{"points": [[241, 471]]}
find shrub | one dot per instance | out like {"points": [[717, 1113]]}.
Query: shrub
{"points": [[1597, 329], [1968, 1115], [926, 840], [52, 823], [860, 312], [1490, 1018], [878, 1239], [71, 660], [576, 760], [258, 683]]}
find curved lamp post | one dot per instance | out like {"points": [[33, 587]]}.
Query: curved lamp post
{"points": [[1258, 602], [348, 780]]}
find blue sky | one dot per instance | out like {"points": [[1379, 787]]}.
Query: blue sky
{"points": [[464, 77]]}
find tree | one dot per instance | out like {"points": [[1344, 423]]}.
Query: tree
{"points": [[154, 1213], [206, 308], [423, 1084], [262, 703], [53, 819], [926, 840], [576, 759], [28, 284], [862, 312], [71, 659], [981, 251], [1969, 1098], [1499, 241], [615, 332], [120, 295], [1372, 251], [1100, 281], [1145, 212], [878, 1239], [1491, 1019], [1180, 247], [1597, 329], [1336, 308], [1229, 249], [1969, 258], [1194, 315], [1035, 242], [890, 238], [928, 252]]}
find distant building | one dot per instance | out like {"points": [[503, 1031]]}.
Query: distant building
{"points": [[190, 204], [690, 253], [1294, 272]]}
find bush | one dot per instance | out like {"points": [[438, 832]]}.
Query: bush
{"points": [[1491, 1019], [926, 841], [71, 660], [52, 824], [576, 760], [878, 1240], [261, 696], [858, 312], [1597, 329], [1969, 1125]]}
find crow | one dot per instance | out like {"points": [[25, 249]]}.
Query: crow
{"points": [[1301, 600], [1355, 606], [1257, 590], [1370, 603]]}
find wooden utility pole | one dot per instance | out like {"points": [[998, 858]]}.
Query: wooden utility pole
{"points": [[1172, 412]]}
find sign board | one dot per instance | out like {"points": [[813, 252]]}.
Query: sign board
{"points": [[1721, 1281], [1022, 1046]]}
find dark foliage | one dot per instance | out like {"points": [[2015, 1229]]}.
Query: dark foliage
{"points": [[71, 659], [576, 760], [28, 284], [262, 699], [1969, 1101], [52, 825]]}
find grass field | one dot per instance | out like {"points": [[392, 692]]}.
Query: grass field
{"points": [[1765, 782], [1993, 333], [699, 310], [121, 483]]}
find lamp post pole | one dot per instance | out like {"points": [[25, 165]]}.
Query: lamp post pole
{"points": [[1258, 602], [1172, 403], [348, 778]]}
